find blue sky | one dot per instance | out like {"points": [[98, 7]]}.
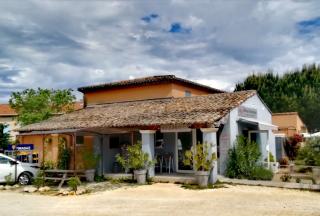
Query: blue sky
{"points": [[63, 44]]}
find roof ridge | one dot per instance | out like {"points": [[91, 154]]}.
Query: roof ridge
{"points": [[147, 80]]}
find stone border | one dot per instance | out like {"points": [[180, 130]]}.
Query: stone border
{"points": [[288, 185]]}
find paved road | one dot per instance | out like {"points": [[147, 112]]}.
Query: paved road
{"points": [[166, 199]]}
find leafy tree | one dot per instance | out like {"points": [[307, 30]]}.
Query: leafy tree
{"points": [[4, 137], [36, 105], [297, 90]]}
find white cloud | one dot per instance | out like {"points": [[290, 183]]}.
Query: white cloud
{"points": [[61, 44]]}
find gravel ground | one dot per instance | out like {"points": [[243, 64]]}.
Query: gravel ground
{"points": [[166, 199]]}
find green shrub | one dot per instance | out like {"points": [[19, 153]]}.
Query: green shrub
{"points": [[135, 158], [9, 179], [74, 182], [271, 158], [242, 158], [64, 154], [47, 165], [309, 154], [298, 180], [286, 177], [198, 156], [261, 173], [99, 178], [39, 180]]}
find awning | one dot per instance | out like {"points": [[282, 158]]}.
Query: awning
{"points": [[262, 125]]}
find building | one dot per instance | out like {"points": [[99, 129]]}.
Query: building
{"points": [[289, 123], [168, 114], [9, 117]]}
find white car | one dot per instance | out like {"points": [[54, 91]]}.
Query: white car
{"points": [[10, 167]]}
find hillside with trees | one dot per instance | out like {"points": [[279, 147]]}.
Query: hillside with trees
{"points": [[297, 90]]}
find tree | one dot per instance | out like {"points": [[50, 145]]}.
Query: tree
{"points": [[297, 90], [37, 105], [4, 137], [292, 146]]}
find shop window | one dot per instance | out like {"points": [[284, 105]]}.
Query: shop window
{"points": [[79, 140]]}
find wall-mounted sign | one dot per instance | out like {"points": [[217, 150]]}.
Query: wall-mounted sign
{"points": [[247, 112], [22, 147]]}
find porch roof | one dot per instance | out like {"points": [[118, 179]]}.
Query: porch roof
{"points": [[187, 111]]}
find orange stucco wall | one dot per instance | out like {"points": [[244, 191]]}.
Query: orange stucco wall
{"points": [[140, 93], [289, 124], [49, 151], [179, 91], [129, 94]]}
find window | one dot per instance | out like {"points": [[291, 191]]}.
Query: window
{"points": [[4, 160], [80, 140], [187, 93]]}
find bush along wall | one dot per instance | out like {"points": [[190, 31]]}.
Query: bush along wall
{"points": [[243, 161]]}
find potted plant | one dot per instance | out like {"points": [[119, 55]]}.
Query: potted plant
{"points": [[137, 160], [90, 161], [202, 161]]}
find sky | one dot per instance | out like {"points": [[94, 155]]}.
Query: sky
{"points": [[68, 44]]}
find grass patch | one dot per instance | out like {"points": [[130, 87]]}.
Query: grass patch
{"points": [[217, 185], [123, 180]]}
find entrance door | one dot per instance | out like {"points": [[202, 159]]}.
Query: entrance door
{"points": [[261, 138], [184, 143]]}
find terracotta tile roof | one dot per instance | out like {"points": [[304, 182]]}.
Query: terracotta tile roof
{"points": [[147, 81], [6, 110], [208, 110]]}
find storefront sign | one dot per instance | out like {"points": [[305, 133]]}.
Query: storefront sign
{"points": [[247, 112], [22, 147]]}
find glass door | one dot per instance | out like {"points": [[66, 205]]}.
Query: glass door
{"points": [[184, 143]]}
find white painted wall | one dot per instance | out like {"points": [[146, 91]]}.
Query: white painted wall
{"points": [[231, 130]]}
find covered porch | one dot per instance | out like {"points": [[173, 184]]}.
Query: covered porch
{"points": [[166, 146]]}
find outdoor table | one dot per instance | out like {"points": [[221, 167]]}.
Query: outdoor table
{"points": [[62, 175]]}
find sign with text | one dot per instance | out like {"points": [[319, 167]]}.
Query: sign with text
{"points": [[22, 147], [247, 112]]}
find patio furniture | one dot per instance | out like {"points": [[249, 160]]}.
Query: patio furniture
{"points": [[159, 162], [62, 175], [168, 161]]}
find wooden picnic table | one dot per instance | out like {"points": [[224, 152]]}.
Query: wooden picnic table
{"points": [[62, 175]]}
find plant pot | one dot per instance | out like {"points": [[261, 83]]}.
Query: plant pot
{"points": [[202, 178], [141, 176], [90, 175], [316, 171]]}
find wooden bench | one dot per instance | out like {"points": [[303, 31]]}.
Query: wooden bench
{"points": [[62, 175]]}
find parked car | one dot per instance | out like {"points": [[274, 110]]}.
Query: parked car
{"points": [[24, 172]]}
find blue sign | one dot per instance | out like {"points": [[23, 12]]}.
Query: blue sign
{"points": [[22, 147]]}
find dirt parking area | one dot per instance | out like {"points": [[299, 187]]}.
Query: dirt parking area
{"points": [[166, 199]]}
